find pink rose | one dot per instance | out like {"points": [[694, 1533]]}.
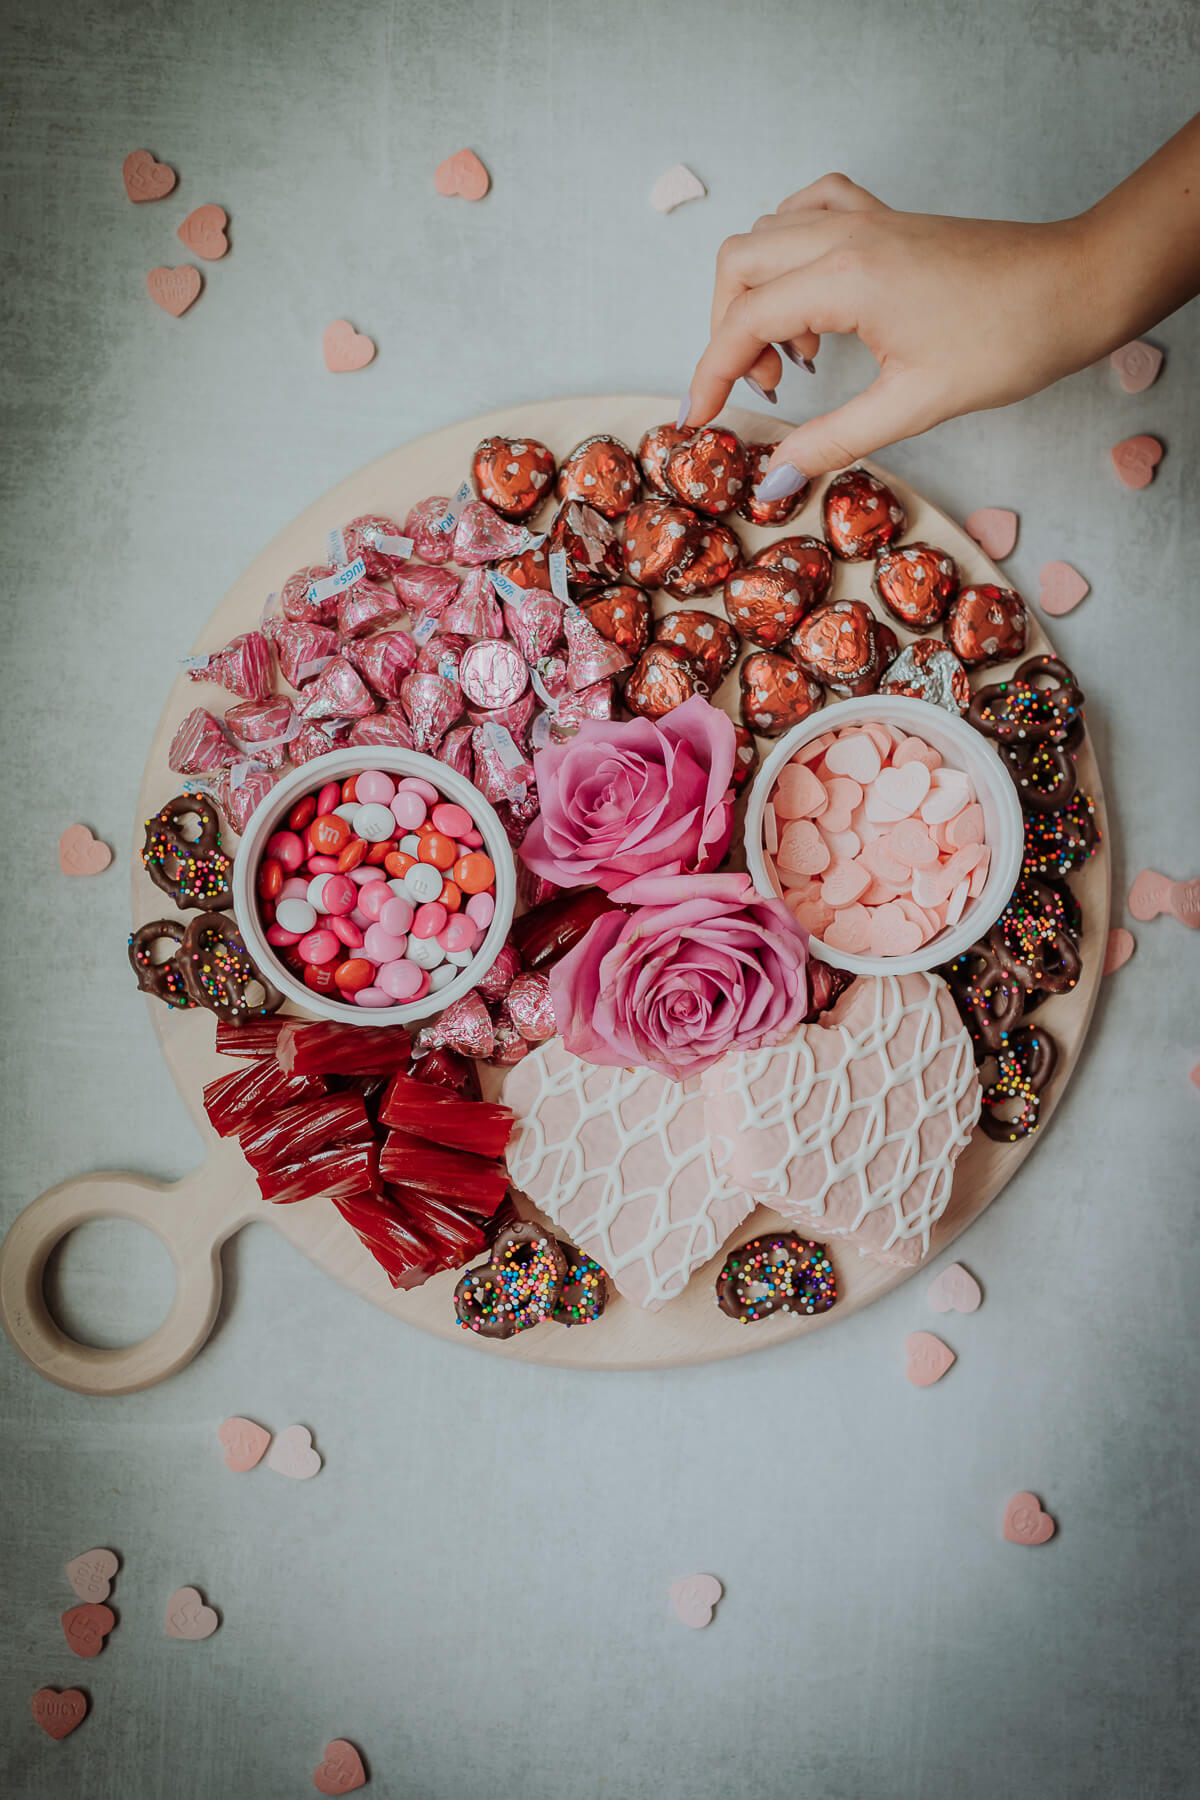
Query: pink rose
{"points": [[640, 797], [704, 966]]}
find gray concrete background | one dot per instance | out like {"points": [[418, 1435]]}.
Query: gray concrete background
{"points": [[474, 1590]]}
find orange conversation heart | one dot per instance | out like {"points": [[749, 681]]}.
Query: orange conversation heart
{"points": [[174, 289], [1135, 460], [342, 1769], [144, 178], [463, 175], [58, 1713], [345, 349], [1025, 1522], [79, 853], [203, 231]]}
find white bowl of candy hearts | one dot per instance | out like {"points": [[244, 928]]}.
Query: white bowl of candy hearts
{"points": [[892, 831], [324, 915]]}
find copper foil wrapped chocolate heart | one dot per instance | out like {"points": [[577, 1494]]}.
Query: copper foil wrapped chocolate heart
{"points": [[745, 757], [660, 541], [465, 1026], [455, 751], [603, 471], [368, 608], [862, 515], [302, 649], [590, 657], [474, 611], [776, 694], [806, 559], [530, 1008], [389, 729], [765, 605], [513, 475], [767, 512], [383, 661], [516, 719], [576, 709], [927, 670], [424, 590], [535, 625], [708, 470], [916, 582], [360, 539], [243, 667], [623, 615], [338, 692], [432, 543], [710, 642], [294, 601], [432, 705], [590, 544], [200, 745], [987, 624], [652, 453], [719, 553], [531, 569], [481, 535], [315, 740], [884, 647], [836, 643], [493, 673], [499, 978], [662, 678]]}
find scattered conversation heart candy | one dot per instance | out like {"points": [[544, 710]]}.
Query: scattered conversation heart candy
{"points": [[676, 188], [91, 1575], [174, 289], [203, 231], [345, 349], [928, 1358], [144, 178], [245, 1443], [694, 1598], [994, 529], [58, 1713], [341, 1771], [954, 1290], [1135, 460], [462, 175], [1025, 1522], [79, 853], [188, 1617], [1153, 893], [1195, 1076], [292, 1454], [1118, 950], [1062, 589], [1137, 364], [86, 1627]]}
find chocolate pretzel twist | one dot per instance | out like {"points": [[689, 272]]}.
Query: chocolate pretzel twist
{"points": [[163, 980], [520, 1284], [787, 1273], [1026, 1065], [193, 871], [218, 973]]}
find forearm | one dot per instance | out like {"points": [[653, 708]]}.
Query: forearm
{"points": [[1143, 241]]}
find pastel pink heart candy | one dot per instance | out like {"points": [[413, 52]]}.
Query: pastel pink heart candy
{"points": [[850, 931], [1025, 1522], [915, 749], [203, 231], [844, 796], [144, 178], [292, 1454], [883, 865], [815, 748], [909, 843], [345, 349], [342, 1769], [1137, 364], [174, 289], [91, 1574], [903, 788], [798, 793], [188, 1617], [801, 847], [245, 1443], [855, 755], [844, 883], [1153, 893], [86, 1627], [58, 1713], [844, 846], [1135, 460], [893, 933], [994, 529], [1062, 589], [79, 853], [694, 1599], [1118, 950], [928, 1358], [462, 174], [966, 827], [954, 1290]]}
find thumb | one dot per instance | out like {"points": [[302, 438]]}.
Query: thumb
{"points": [[896, 405]]}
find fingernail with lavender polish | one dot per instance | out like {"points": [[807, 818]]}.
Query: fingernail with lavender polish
{"points": [[767, 394], [801, 362], [685, 407], [783, 479]]}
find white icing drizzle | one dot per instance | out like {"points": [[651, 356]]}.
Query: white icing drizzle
{"points": [[919, 1187]]}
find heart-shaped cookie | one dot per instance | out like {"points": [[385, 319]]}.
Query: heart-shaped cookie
{"points": [[928, 1358], [174, 289], [1025, 1522], [463, 175], [694, 1599], [188, 1617], [86, 1627], [1137, 364], [245, 1443], [345, 349], [144, 178], [58, 1713], [203, 231], [1062, 589], [341, 1771], [79, 853], [954, 1290], [1118, 950], [622, 1160], [91, 1575], [994, 529], [292, 1454], [1135, 460]]}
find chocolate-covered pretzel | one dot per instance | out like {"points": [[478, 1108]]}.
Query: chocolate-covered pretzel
{"points": [[787, 1273], [519, 1285], [1033, 941], [163, 980], [1058, 842], [191, 870], [218, 973], [1043, 771], [1026, 1065], [1019, 710], [584, 1291], [988, 995]]}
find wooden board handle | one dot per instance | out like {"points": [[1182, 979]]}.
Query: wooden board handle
{"points": [[192, 1217]]}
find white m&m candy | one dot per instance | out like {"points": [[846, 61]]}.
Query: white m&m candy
{"points": [[427, 953], [373, 822], [423, 883]]}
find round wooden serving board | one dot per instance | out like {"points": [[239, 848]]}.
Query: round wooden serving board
{"points": [[196, 1216]]}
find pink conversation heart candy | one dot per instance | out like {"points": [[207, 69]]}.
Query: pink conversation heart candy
{"points": [[1025, 1522], [1135, 460], [91, 1574], [58, 1713], [144, 178], [174, 289], [1118, 950], [1062, 589], [954, 1290], [1137, 364], [928, 1358], [462, 174], [188, 1617], [345, 349], [855, 754], [245, 1443], [802, 848], [994, 529], [694, 1599], [292, 1454], [341, 1771]]}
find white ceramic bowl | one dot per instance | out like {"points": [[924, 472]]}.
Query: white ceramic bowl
{"points": [[961, 747], [339, 765]]}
